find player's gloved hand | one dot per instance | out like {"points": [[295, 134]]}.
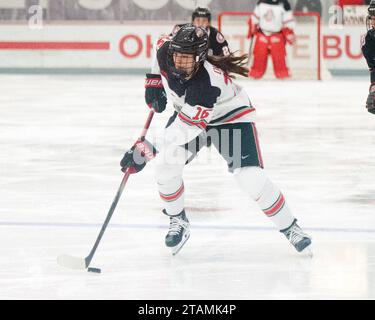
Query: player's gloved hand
{"points": [[155, 95], [136, 158], [370, 103], [253, 29], [289, 35]]}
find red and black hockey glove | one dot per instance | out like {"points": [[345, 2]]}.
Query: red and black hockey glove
{"points": [[136, 158], [155, 95], [370, 103]]}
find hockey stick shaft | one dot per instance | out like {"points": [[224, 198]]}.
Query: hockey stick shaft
{"points": [[118, 195], [108, 218], [147, 124], [250, 51], [250, 22]]}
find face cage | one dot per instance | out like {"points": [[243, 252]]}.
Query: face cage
{"points": [[180, 74]]}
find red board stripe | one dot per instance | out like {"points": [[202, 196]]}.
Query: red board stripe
{"points": [[48, 45]]}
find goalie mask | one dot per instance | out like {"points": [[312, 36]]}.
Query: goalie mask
{"points": [[187, 51], [370, 20]]}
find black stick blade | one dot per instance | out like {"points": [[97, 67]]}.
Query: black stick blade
{"points": [[95, 270]]}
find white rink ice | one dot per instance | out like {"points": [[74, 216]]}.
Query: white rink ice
{"points": [[61, 140]]}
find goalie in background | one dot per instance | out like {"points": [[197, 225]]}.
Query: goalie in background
{"points": [[368, 49], [272, 25]]}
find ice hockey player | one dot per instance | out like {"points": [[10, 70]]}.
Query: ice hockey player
{"points": [[201, 17], [217, 45], [272, 25], [208, 102], [368, 49]]}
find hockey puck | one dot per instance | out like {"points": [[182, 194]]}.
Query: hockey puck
{"points": [[95, 270]]}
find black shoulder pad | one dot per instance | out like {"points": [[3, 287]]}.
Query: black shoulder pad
{"points": [[369, 53], [287, 6], [200, 91], [213, 30], [162, 55], [216, 42]]}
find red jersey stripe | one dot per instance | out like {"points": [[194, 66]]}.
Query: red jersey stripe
{"points": [[200, 124], [240, 115]]}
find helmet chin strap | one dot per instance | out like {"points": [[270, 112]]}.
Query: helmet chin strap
{"points": [[186, 77], [196, 68]]}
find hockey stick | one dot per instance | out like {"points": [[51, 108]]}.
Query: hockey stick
{"points": [[83, 263], [250, 22], [250, 51]]}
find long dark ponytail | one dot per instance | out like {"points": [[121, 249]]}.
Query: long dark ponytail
{"points": [[231, 64]]}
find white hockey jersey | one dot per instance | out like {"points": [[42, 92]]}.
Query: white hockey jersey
{"points": [[273, 15], [210, 98]]}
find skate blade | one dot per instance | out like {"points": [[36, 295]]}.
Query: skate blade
{"points": [[177, 249], [309, 251]]}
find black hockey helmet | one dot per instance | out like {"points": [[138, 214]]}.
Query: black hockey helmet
{"points": [[285, 3], [201, 12], [371, 13], [189, 40]]}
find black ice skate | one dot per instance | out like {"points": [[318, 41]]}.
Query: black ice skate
{"points": [[179, 232], [297, 237]]}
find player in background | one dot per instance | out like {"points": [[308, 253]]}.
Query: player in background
{"points": [[272, 25], [368, 49], [201, 17], [208, 102]]}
